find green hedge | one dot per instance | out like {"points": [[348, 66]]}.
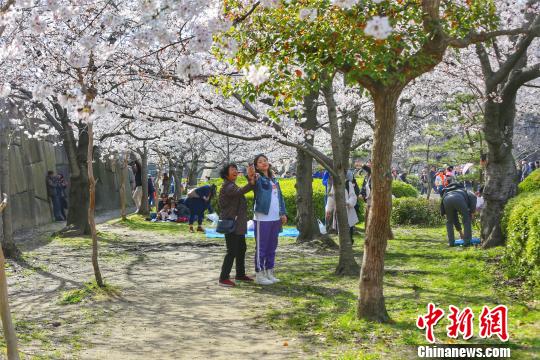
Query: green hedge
{"points": [[531, 182], [289, 194], [521, 224], [401, 189], [416, 211]]}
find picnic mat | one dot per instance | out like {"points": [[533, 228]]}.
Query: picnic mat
{"points": [[474, 241], [288, 232]]}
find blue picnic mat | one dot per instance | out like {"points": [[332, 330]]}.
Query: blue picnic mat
{"points": [[288, 232], [474, 241]]}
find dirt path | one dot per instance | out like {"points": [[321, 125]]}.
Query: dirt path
{"points": [[169, 306]]}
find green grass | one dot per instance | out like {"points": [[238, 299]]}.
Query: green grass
{"points": [[420, 268], [90, 291]]}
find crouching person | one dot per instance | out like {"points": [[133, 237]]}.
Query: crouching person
{"points": [[455, 202]]}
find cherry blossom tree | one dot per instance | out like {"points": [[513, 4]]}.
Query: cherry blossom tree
{"points": [[382, 54]]}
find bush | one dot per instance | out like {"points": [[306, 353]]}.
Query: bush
{"points": [[521, 224], [531, 182], [414, 181], [401, 189], [288, 189], [416, 211]]}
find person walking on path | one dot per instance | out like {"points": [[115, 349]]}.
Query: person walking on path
{"points": [[456, 200], [137, 193], [198, 201], [270, 216], [233, 205]]}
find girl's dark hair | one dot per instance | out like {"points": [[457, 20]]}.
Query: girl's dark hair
{"points": [[270, 171], [224, 172]]}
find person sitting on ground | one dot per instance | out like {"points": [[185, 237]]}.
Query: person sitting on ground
{"points": [[163, 215], [456, 200], [183, 210], [162, 201], [173, 211], [199, 200]]}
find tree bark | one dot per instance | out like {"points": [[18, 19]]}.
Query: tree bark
{"points": [[7, 324], [306, 219], [92, 205], [501, 170], [347, 264], [145, 208], [192, 177], [123, 170], [371, 305], [77, 216], [178, 181], [8, 244]]}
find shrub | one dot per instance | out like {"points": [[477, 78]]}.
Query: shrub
{"points": [[416, 211], [288, 189], [414, 181], [531, 182], [521, 224], [401, 189]]}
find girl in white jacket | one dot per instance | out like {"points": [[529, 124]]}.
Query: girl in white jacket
{"points": [[350, 199]]}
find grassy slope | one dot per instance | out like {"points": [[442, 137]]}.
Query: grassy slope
{"points": [[420, 268]]}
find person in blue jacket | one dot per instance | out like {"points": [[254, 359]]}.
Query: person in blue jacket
{"points": [[199, 200], [269, 217]]}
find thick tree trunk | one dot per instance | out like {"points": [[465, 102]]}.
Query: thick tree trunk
{"points": [[7, 324], [123, 170], [145, 208], [501, 170], [306, 221], [92, 206], [371, 304], [8, 244], [77, 216], [347, 264]]}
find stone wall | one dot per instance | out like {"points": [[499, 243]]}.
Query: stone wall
{"points": [[29, 161]]}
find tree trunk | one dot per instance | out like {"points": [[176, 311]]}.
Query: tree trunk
{"points": [[92, 206], [8, 244], [7, 324], [123, 170], [77, 216], [192, 177], [145, 208], [371, 304], [178, 181], [347, 264], [500, 171]]}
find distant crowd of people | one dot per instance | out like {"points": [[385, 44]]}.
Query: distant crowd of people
{"points": [[526, 168]]}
